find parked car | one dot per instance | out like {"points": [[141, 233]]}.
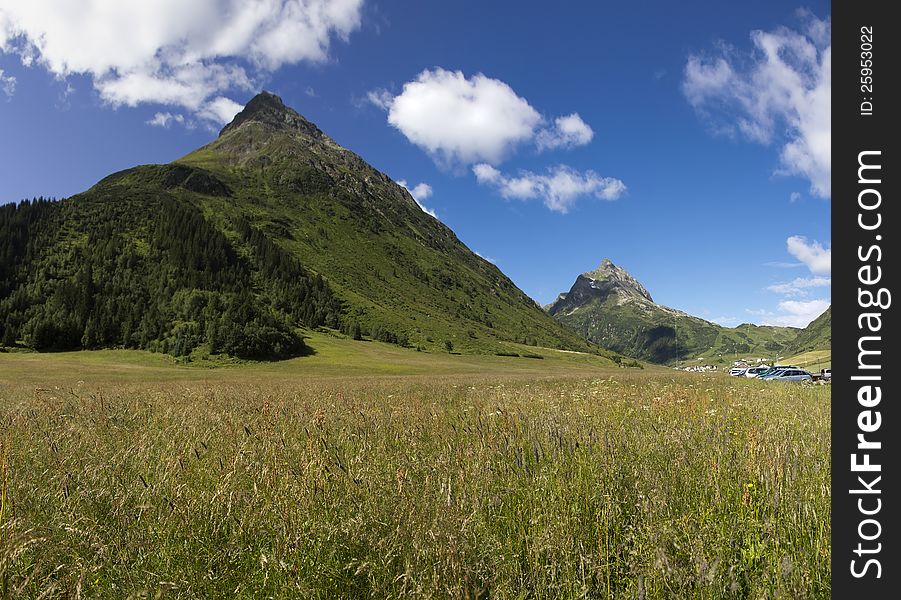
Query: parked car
{"points": [[737, 371], [755, 371], [826, 374], [790, 375], [773, 369]]}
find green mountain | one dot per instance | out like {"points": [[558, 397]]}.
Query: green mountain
{"points": [[816, 336], [239, 246], [612, 309]]}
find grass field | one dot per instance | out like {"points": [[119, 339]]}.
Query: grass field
{"points": [[368, 471]]}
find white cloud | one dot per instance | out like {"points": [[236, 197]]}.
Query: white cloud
{"points": [[817, 258], [796, 313], [568, 132], [220, 110], [486, 173], [460, 120], [782, 96], [381, 98], [800, 285], [165, 119], [7, 84], [794, 197], [420, 192], [171, 52], [559, 189]]}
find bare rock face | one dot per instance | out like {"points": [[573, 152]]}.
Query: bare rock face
{"points": [[608, 281], [269, 109]]}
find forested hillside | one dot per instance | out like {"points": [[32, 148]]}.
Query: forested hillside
{"points": [[143, 269]]}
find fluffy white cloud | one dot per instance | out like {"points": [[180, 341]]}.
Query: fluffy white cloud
{"points": [[486, 173], [780, 94], [817, 258], [460, 120], [189, 86], [220, 110], [567, 132], [800, 285], [796, 313], [7, 84], [420, 192], [173, 52], [558, 189]]}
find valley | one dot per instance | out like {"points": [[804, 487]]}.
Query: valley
{"points": [[262, 370]]}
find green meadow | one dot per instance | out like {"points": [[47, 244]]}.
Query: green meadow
{"points": [[371, 471]]}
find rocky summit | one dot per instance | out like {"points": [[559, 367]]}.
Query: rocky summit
{"points": [[606, 281]]}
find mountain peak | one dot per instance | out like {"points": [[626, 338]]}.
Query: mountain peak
{"points": [[604, 269], [607, 281], [269, 109], [618, 279]]}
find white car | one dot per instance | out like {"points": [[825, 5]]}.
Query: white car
{"points": [[790, 375], [826, 374], [755, 371], [737, 371]]}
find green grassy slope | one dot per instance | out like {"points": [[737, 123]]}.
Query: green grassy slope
{"points": [[816, 336], [812, 360], [748, 341]]}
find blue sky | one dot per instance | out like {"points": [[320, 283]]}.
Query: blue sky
{"points": [[688, 142]]}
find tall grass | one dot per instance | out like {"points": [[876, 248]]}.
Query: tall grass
{"points": [[626, 486]]}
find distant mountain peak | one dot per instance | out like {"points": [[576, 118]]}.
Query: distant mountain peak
{"points": [[611, 308], [617, 279], [269, 109]]}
